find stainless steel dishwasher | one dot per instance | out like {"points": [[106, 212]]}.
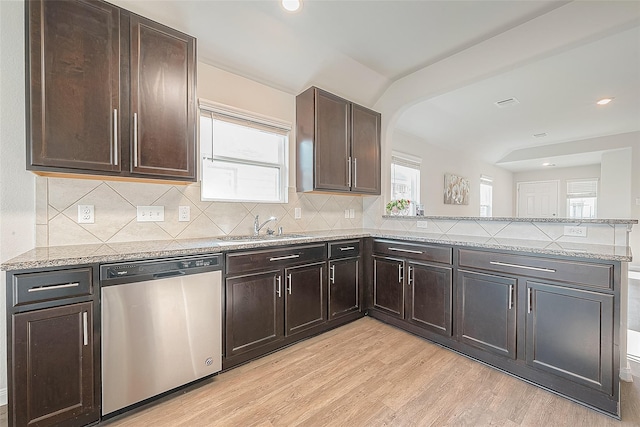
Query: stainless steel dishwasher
{"points": [[161, 326]]}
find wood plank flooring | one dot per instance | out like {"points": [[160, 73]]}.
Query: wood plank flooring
{"points": [[370, 374]]}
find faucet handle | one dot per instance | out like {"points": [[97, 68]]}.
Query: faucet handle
{"points": [[270, 232]]}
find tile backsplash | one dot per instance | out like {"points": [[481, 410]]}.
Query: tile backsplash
{"points": [[115, 203]]}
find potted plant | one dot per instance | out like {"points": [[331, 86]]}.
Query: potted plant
{"points": [[398, 207]]}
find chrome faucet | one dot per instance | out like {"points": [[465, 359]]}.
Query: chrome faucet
{"points": [[257, 226]]}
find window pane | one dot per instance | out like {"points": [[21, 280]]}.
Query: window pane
{"points": [[240, 142], [486, 198], [405, 183], [582, 207], [236, 181]]}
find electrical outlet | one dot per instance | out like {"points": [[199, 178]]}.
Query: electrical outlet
{"points": [[575, 231], [352, 213], [346, 213], [150, 213], [297, 213], [421, 224], [85, 214], [184, 213]]}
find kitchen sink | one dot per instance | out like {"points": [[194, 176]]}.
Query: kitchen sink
{"points": [[260, 238]]}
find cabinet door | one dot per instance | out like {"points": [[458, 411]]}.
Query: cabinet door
{"points": [[254, 311], [429, 302], [365, 150], [305, 297], [388, 286], [344, 289], [74, 85], [162, 100], [487, 313], [332, 147], [570, 334], [53, 367]]}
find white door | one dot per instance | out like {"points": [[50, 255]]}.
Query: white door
{"points": [[538, 199]]}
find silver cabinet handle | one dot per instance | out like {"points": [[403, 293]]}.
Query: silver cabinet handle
{"points": [[400, 273], [510, 297], [85, 328], [52, 287], [405, 250], [525, 267], [115, 136], [347, 248], [289, 283], [332, 276], [529, 300], [355, 173], [349, 172], [410, 276], [135, 140], [280, 258], [279, 289]]}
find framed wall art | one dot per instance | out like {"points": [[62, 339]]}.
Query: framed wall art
{"points": [[456, 190]]}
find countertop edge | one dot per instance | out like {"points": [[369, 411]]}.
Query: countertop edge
{"points": [[514, 219], [211, 246]]}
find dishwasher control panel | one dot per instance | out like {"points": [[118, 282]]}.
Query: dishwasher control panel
{"points": [[125, 272]]}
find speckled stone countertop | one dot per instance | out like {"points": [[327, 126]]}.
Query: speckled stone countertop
{"points": [[515, 219], [104, 253]]}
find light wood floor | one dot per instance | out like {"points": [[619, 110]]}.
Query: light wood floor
{"points": [[370, 374]]}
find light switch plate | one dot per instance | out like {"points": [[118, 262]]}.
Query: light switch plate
{"points": [[85, 214], [184, 213], [297, 213], [346, 213], [150, 213], [352, 213], [421, 224], [575, 231]]}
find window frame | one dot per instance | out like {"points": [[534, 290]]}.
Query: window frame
{"points": [[217, 111], [408, 161], [582, 195], [488, 181]]}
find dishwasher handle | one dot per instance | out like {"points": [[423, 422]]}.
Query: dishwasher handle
{"points": [[166, 274]]}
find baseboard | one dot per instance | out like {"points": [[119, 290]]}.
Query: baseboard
{"points": [[3, 396], [625, 374]]}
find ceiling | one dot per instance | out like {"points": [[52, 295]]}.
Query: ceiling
{"points": [[359, 49]]}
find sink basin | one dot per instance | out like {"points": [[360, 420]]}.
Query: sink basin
{"points": [[260, 238]]}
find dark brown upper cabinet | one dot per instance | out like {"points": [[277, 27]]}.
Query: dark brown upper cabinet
{"points": [[109, 93], [337, 143]]}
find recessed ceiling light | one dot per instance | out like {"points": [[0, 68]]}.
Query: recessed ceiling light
{"points": [[291, 5], [604, 101], [548, 164]]}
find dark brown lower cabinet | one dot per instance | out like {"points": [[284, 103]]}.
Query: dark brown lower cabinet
{"points": [[344, 287], [429, 302], [254, 314], [486, 316], [305, 298], [388, 286], [570, 334], [53, 367]]}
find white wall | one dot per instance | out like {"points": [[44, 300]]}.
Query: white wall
{"points": [[559, 174], [17, 186], [437, 161], [615, 185]]}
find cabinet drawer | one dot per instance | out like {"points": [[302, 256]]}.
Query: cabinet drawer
{"points": [[30, 288], [242, 262], [344, 249], [416, 251], [584, 273]]}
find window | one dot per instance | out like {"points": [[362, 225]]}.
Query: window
{"points": [[486, 195], [244, 156], [405, 177], [582, 197]]}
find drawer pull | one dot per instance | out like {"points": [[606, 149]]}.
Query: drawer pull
{"points": [[332, 277], [410, 276], [85, 327], [280, 258], [279, 289], [510, 297], [410, 251], [347, 248], [525, 267], [529, 300], [400, 273], [51, 287], [289, 283]]}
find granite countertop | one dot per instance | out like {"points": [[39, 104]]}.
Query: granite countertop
{"points": [[516, 219], [58, 256]]}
